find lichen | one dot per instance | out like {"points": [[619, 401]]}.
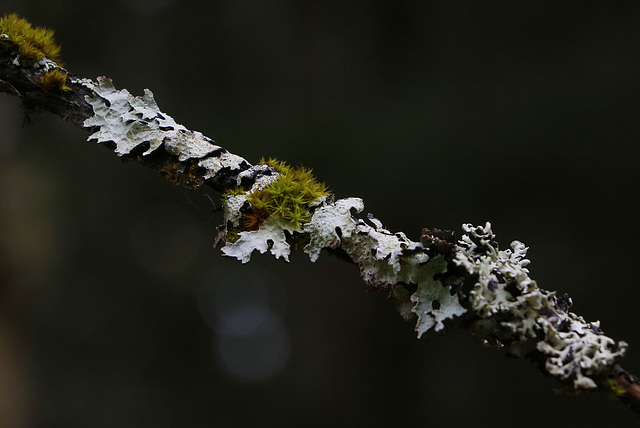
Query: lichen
{"points": [[274, 203], [270, 237], [514, 311], [136, 123], [330, 224], [31, 44], [387, 260], [433, 303], [505, 306]]}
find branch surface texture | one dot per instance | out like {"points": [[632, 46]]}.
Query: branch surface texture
{"points": [[270, 207]]}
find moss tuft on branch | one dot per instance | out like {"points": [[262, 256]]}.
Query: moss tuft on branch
{"points": [[31, 43]]}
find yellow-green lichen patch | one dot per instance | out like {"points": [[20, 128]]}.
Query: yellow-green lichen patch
{"points": [[289, 196], [31, 43], [54, 80]]}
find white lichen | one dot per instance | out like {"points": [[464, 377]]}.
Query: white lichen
{"points": [[213, 164], [327, 222], [386, 260], [433, 303], [130, 121], [269, 237], [232, 209], [82, 81], [513, 309]]}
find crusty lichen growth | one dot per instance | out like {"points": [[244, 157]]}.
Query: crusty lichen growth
{"points": [[32, 44], [136, 124], [502, 304], [274, 204], [54, 80], [530, 322], [388, 262]]}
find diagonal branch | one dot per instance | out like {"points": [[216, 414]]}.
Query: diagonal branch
{"points": [[213, 165], [443, 282]]}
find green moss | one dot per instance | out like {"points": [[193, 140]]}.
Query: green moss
{"points": [[612, 388], [30, 43], [232, 236], [289, 196], [54, 80], [237, 191]]}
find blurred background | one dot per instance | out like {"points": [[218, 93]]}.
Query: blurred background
{"points": [[116, 310]]}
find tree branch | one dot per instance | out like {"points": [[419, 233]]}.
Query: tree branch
{"points": [[73, 106], [441, 281]]}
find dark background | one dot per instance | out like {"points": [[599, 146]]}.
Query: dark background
{"points": [[116, 310]]}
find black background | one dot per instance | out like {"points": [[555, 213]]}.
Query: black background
{"points": [[436, 113]]}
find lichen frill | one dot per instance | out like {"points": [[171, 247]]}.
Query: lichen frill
{"points": [[388, 261], [513, 311], [136, 123]]}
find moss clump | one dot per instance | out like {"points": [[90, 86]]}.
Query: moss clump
{"points": [[54, 80], [235, 192], [289, 196], [31, 43]]}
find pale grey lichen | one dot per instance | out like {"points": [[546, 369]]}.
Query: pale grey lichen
{"points": [[232, 210], [386, 260], [430, 290], [327, 222], [512, 309], [505, 305], [225, 159], [130, 122], [269, 237], [82, 81], [48, 64]]}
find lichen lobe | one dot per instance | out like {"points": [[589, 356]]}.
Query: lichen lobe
{"points": [[532, 322], [386, 260], [131, 122]]}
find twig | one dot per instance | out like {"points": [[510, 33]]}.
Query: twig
{"points": [[444, 282]]}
